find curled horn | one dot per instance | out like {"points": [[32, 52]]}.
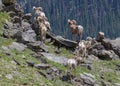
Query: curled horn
{"points": [[40, 8], [34, 7], [74, 21], [68, 20]]}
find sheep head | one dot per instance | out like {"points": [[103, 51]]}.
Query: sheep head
{"points": [[70, 22], [37, 8], [74, 21]]}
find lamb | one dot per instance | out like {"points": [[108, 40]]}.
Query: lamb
{"points": [[75, 29], [72, 63]]}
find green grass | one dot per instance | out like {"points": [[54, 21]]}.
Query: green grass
{"points": [[63, 51], [66, 53], [58, 66], [29, 76], [106, 69], [26, 75], [99, 68], [3, 17], [5, 41]]}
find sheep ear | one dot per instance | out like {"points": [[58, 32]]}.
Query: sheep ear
{"points": [[46, 18], [40, 8], [74, 21], [68, 20], [34, 8]]}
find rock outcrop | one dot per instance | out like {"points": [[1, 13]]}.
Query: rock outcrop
{"points": [[9, 2], [112, 45]]}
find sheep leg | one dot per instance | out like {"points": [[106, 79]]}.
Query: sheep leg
{"points": [[73, 37], [69, 69], [71, 73], [85, 54], [77, 38], [80, 37], [41, 37], [44, 36]]}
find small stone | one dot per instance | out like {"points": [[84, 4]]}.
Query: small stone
{"points": [[117, 84], [9, 76], [5, 48], [90, 75], [30, 63], [13, 62], [17, 46], [42, 66], [87, 79]]}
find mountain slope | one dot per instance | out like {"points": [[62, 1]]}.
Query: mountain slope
{"points": [[15, 68]]}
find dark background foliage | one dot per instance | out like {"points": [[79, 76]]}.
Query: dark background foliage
{"points": [[93, 15]]}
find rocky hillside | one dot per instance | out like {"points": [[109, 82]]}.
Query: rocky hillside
{"points": [[93, 15], [25, 61]]}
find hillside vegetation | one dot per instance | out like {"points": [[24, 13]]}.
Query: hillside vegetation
{"points": [[15, 71], [12, 74]]}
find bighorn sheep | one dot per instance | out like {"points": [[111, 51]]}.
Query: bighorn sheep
{"points": [[42, 28], [88, 43], [83, 48], [73, 62], [75, 29], [41, 23], [80, 50], [38, 12]]}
